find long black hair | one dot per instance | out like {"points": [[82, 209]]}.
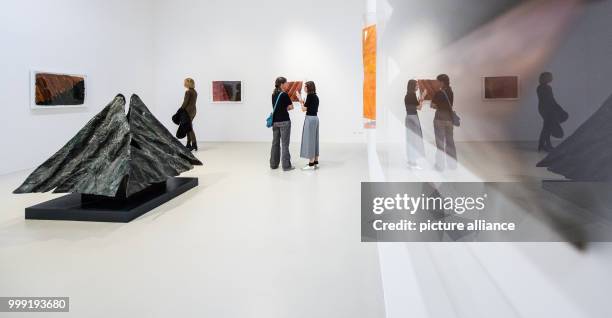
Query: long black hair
{"points": [[444, 79], [412, 85], [277, 85], [311, 87]]}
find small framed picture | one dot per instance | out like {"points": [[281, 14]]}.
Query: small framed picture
{"points": [[227, 92], [500, 88], [57, 90]]}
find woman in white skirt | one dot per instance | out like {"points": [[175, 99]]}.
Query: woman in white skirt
{"points": [[415, 150], [310, 134]]}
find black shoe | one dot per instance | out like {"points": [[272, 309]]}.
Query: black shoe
{"points": [[194, 147], [188, 146]]}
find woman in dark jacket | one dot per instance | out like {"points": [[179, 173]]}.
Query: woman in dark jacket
{"points": [[551, 112], [189, 105], [443, 102], [414, 135]]}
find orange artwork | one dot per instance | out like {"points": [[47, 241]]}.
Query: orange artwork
{"points": [[432, 86], [294, 87], [369, 72]]}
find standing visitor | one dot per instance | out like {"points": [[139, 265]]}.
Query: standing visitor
{"points": [[415, 150], [189, 104], [281, 127], [446, 155], [310, 134]]}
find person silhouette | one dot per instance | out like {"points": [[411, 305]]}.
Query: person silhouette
{"points": [[552, 113]]}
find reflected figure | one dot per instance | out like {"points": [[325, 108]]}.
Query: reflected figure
{"points": [[446, 156], [415, 149], [552, 113], [586, 155]]}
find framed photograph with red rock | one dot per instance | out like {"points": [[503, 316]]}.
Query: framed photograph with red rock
{"points": [[57, 90], [226, 92]]}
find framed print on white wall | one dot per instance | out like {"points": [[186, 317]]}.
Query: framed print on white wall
{"points": [[51, 90], [227, 92], [500, 88]]}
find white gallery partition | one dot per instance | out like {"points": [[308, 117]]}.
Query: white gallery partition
{"points": [[419, 40]]}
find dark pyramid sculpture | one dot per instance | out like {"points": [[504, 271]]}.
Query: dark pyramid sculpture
{"points": [[155, 154], [114, 155], [587, 154]]}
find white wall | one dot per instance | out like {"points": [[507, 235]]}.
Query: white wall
{"points": [[256, 41], [582, 69], [570, 38], [108, 40], [148, 47]]}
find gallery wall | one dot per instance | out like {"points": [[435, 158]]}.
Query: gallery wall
{"points": [[109, 41], [567, 37], [256, 41], [148, 47]]}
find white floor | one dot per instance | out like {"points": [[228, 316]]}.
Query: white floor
{"points": [[248, 242], [481, 280], [251, 242]]}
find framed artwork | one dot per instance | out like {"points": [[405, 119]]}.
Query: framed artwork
{"points": [[226, 92], [369, 72], [293, 88], [500, 88], [57, 90], [432, 86]]}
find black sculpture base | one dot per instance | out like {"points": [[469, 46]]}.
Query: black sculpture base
{"points": [[77, 207]]}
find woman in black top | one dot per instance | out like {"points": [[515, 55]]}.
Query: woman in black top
{"points": [[281, 128], [310, 134], [414, 135], [551, 112], [443, 100]]}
